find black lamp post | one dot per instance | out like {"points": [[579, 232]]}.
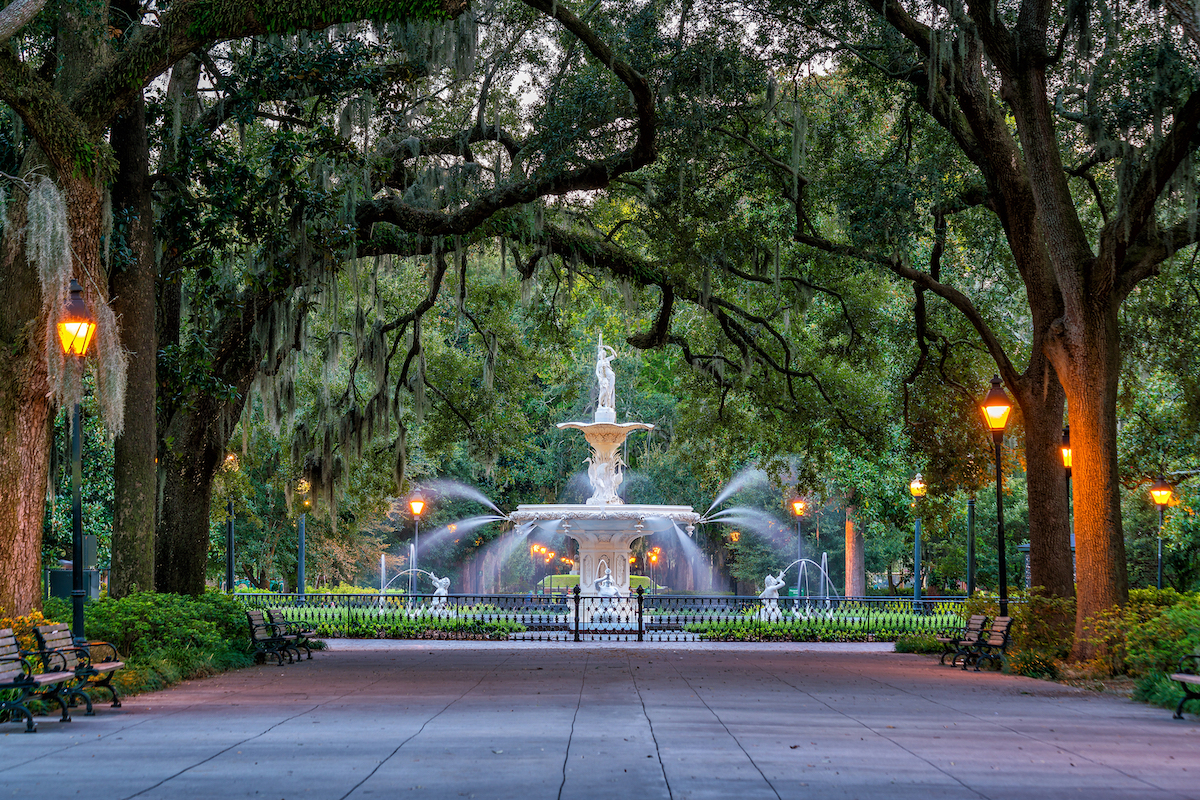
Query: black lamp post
{"points": [[76, 328], [996, 408], [798, 509], [1066, 454], [917, 489], [1161, 491], [416, 504]]}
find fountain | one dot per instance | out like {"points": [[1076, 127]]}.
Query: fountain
{"points": [[605, 526]]}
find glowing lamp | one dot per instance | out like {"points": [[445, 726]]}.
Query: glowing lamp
{"points": [[1066, 447], [632, 559], [1161, 491], [799, 507], [76, 327], [996, 407], [417, 504], [917, 487], [735, 535]]}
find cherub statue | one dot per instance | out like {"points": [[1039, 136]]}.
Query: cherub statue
{"points": [[441, 589], [772, 584]]}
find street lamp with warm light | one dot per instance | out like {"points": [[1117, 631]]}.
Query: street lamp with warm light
{"points": [[917, 489], [305, 488], [996, 408], [1161, 491], [416, 504], [76, 327], [798, 509]]}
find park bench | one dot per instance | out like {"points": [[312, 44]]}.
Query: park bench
{"points": [[294, 633], [17, 675], [993, 646], [57, 651], [265, 640], [1188, 680], [961, 643]]}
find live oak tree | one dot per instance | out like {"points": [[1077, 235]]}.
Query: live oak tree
{"points": [[69, 82], [402, 178], [1081, 121]]}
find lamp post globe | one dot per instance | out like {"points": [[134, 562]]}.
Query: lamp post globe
{"points": [[76, 327], [1161, 492], [996, 408]]}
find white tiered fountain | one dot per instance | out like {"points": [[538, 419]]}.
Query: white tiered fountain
{"points": [[605, 526]]}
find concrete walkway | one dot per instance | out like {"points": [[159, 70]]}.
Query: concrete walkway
{"points": [[599, 721]]}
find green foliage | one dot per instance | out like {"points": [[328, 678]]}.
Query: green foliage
{"points": [[918, 643], [165, 638]]}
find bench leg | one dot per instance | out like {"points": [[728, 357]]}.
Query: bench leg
{"points": [[107, 685], [17, 711], [1187, 695]]}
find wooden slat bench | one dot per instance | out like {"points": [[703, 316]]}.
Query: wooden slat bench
{"points": [[961, 643], [93, 664], [265, 640], [1188, 680], [16, 674], [296, 634], [993, 646]]}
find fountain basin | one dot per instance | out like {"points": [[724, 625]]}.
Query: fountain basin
{"points": [[604, 534]]}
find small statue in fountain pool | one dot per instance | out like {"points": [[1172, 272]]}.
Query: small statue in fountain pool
{"points": [[606, 590], [770, 598], [441, 589]]}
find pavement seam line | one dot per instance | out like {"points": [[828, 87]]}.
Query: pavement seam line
{"points": [[578, 703], [421, 729], [650, 723], [736, 741], [881, 735]]}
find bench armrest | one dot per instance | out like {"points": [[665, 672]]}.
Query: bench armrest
{"points": [[1190, 669], [100, 652], [52, 660]]}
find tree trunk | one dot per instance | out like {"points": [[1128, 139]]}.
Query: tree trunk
{"points": [[1090, 377], [133, 291], [1041, 398], [24, 467], [181, 547]]}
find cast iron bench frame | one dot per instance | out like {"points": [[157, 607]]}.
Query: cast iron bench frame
{"points": [[265, 639], [960, 643], [57, 651], [16, 673], [1187, 677], [993, 646], [294, 633]]}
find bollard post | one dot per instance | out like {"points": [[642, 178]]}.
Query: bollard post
{"points": [[576, 592], [641, 601]]}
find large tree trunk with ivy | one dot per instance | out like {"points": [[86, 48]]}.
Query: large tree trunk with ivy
{"points": [[133, 292]]}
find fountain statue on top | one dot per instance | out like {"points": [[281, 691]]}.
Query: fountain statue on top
{"points": [[605, 526]]}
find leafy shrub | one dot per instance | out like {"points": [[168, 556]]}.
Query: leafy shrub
{"points": [[1159, 690], [165, 638], [918, 643], [1033, 664]]}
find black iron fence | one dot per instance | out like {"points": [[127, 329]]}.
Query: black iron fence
{"points": [[566, 617]]}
